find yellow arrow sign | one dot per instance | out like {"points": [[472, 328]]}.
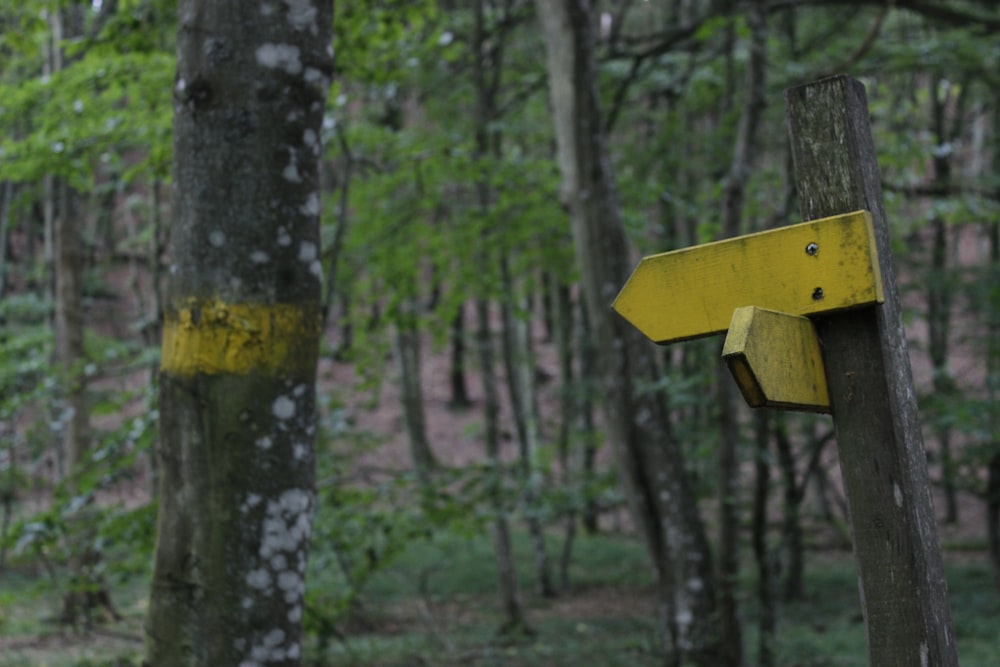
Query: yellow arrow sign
{"points": [[813, 267], [776, 360]]}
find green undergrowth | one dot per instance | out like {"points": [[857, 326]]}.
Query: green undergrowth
{"points": [[435, 604]]}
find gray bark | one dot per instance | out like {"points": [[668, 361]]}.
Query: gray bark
{"points": [[236, 453]]}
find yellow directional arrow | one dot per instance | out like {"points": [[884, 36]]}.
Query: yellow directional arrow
{"points": [[813, 267], [776, 360]]}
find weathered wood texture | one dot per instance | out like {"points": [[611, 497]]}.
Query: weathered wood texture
{"points": [[802, 269], [903, 589], [776, 360]]}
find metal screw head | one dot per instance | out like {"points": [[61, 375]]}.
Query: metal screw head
{"points": [[812, 249], [817, 294]]}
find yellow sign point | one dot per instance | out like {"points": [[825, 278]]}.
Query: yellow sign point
{"points": [[213, 338], [813, 267], [776, 360]]}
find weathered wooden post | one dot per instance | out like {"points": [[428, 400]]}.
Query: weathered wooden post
{"points": [[848, 357], [882, 455]]}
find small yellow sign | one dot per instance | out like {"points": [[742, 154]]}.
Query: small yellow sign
{"points": [[776, 360], [813, 267]]}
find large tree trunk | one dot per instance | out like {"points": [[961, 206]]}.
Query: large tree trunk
{"points": [[241, 334], [651, 462]]}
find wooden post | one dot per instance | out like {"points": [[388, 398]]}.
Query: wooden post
{"points": [[900, 572]]}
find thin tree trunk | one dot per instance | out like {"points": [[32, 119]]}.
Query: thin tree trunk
{"points": [[69, 329], [487, 54], [572, 475], [650, 459], [939, 302], [456, 372], [241, 336], [762, 553], [534, 477], [408, 351], [510, 590], [586, 423], [8, 195], [744, 154]]}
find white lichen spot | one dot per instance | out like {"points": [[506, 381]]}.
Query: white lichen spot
{"points": [[291, 173], [300, 451], [259, 579], [250, 663], [307, 251], [181, 85], [216, 238], [274, 638], [283, 407], [266, 9], [279, 562], [924, 654], [316, 268], [302, 15], [315, 77], [309, 138], [294, 116], [78, 106], [897, 493], [293, 649], [292, 585], [311, 207], [279, 56], [259, 257], [284, 238], [294, 616], [295, 501], [665, 495], [264, 442], [251, 501], [287, 526], [246, 603], [299, 390], [695, 584]]}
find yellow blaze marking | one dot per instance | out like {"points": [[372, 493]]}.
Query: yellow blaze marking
{"points": [[214, 337], [813, 267], [776, 360]]}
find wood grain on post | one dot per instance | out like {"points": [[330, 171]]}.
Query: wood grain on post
{"points": [[901, 576]]}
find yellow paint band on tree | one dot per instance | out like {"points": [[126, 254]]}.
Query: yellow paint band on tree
{"points": [[215, 338]]}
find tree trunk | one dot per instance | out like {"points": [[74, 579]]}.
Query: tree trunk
{"points": [[241, 336], [729, 481], [487, 141], [939, 301], [408, 350], [456, 373], [510, 589], [762, 553], [650, 460]]}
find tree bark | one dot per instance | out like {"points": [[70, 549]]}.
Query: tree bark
{"points": [[241, 335], [650, 460]]}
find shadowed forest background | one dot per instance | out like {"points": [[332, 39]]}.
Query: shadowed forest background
{"points": [[469, 507]]}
